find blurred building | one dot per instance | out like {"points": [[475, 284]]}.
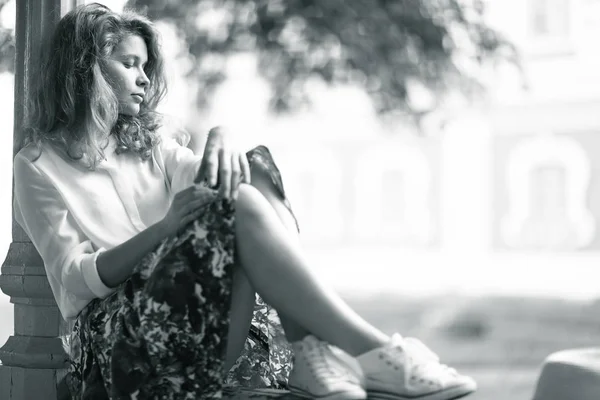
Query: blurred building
{"points": [[516, 174], [503, 197], [546, 139]]}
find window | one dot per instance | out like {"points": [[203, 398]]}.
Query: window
{"points": [[550, 27], [549, 19], [393, 202], [548, 179], [393, 184], [548, 192]]}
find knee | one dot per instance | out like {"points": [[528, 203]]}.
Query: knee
{"points": [[251, 205]]}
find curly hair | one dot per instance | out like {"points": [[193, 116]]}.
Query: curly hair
{"points": [[74, 107]]}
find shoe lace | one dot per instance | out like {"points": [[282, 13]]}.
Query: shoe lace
{"points": [[426, 362], [433, 369], [320, 365], [415, 346]]}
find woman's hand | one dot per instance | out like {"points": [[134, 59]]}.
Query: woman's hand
{"points": [[186, 206], [223, 164]]}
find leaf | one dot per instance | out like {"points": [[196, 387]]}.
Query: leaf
{"points": [[379, 45]]}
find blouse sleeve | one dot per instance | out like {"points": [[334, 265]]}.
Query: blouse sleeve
{"points": [[69, 256], [181, 164]]}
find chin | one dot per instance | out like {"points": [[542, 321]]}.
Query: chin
{"points": [[130, 111]]}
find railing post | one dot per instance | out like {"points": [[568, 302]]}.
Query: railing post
{"points": [[33, 359]]}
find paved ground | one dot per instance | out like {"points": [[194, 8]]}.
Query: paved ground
{"points": [[494, 384], [501, 342], [504, 383]]}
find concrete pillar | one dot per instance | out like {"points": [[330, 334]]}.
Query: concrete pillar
{"points": [[33, 359]]}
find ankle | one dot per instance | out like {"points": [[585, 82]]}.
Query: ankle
{"points": [[365, 346]]}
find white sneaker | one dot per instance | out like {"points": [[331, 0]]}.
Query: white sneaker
{"points": [[350, 364], [318, 373], [406, 369]]}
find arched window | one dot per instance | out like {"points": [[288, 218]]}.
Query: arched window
{"points": [[548, 179], [549, 18], [393, 195]]}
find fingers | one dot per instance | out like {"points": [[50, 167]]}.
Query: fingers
{"points": [[183, 198], [187, 205], [192, 209], [214, 146], [188, 193], [195, 207], [222, 166], [192, 206], [245, 167], [208, 168], [191, 216], [224, 173], [236, 175]]}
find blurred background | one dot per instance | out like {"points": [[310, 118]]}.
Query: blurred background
{"points": [[441, 157]]}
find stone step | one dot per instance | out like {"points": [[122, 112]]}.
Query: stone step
{"points": [[257, 394]]}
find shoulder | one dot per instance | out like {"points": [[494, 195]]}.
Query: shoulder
{"points": [[39, 153], [31, 164], [29, 153], [27, 157], [42, 159]]}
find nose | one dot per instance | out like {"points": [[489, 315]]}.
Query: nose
{"points": [[142, 79]]}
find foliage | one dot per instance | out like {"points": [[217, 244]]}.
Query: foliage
{"points": [[7, 45], [389, 47], [386, 46]]}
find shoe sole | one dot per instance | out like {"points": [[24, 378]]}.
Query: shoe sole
{"points": [[448, 394], [357, 395]]}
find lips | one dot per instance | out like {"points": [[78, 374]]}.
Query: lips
{"points": [[138, 96]]}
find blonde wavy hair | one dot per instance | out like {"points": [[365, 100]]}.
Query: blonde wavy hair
{"points": [[74, 107]]}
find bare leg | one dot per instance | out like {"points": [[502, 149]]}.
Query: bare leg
{"points": [[262, 181], [243, 294], [273, 261], [240, 316]]}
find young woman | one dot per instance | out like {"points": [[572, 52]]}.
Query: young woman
{"points": [[158, 269]]}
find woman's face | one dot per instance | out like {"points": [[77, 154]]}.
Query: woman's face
{"points": [[125, 71]]}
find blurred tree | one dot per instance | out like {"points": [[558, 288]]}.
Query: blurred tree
{"points": [[386, 46], [7, 45]]}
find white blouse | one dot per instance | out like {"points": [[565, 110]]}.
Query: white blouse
{"points": [[72, 214]]}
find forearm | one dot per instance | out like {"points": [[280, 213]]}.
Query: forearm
{"points": [[116, 265]]}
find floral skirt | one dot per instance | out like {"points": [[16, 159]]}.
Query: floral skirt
{"points": [[162, 334]]}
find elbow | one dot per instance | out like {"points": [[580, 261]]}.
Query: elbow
{"points": [[79, 275]]}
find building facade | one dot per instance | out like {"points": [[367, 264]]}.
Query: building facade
{"points": [[503, 186]]}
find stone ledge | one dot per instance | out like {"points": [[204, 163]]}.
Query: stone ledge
{"points": [[257, 394], [229, 393]]}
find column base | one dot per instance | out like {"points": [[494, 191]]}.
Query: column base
{"points": [[18, 383]]}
